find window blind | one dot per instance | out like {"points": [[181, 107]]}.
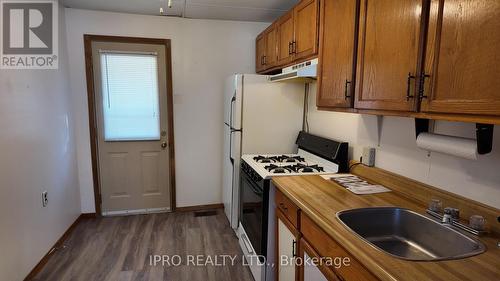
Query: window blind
{"points": [[130, 96]]}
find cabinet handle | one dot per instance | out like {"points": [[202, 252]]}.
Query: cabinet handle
{"points": [[282, 206], [294, 246], [421, 93], [408, 86], [294, 47], [346, 93], [264, 59], [289, 48]]}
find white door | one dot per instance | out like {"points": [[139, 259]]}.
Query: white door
{"points": [[286, 253], [132, 122]]}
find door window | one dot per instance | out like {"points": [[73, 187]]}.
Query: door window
{"points": [[130, 96]]}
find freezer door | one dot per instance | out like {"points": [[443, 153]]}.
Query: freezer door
{"points": [[232, 101]]}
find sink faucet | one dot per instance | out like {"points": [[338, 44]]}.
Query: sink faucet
{"points": [[451, 216]]}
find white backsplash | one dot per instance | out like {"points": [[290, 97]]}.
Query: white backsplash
{"points": [[478, 180]]}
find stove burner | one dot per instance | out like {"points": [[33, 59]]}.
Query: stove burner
{"points": [[289, 159], [279, 169], [265, 159], [297, 168], [300, 168]]}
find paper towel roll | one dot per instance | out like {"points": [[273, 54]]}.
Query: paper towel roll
{"points": [[457, 146]]}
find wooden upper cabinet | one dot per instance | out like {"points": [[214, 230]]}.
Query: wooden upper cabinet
{"points": [[337, 52], [271, 48], [291, 39], [388, 54], [305, 16], [266, 49], [260, 52], [284, 28], [463, 58]]}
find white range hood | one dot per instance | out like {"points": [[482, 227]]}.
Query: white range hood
{"points": [[302, 72]]}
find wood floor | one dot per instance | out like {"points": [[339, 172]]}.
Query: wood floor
{"points": [[119, 248]]}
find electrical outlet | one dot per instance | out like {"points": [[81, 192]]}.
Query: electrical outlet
{"points": [[368, 156], [45, 199]]}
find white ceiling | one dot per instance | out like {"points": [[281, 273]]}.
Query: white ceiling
{"points": [[239, 10]]}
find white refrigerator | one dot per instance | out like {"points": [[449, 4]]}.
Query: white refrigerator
{"points": [[260, 117]]}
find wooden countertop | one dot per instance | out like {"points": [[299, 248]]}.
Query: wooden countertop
{"points": [[320, 199]]}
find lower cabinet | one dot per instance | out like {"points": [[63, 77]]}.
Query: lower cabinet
{"points": [[305, 252], [311, 269], [287, 240], [332, 255]]}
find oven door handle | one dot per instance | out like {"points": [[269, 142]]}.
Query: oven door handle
{"points": [[256, 190], [247, 244]]}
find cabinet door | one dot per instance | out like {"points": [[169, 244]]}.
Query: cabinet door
{"points": [[285, 38], [305, 29], [271, 48], [260, 52], [337, 51], [309, 271], [325, 246], [389, 40], [286, 252], [463, 57]]}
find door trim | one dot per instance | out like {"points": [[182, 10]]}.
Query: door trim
{"points": [[89, 70]]}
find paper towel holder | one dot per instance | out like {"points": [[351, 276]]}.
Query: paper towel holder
{"points": [[484, 134]]}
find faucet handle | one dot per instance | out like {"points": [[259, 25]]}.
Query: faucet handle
{"points": [[477, 222], [435, 206]]}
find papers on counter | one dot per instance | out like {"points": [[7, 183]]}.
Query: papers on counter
{"points": [[355, 184]]}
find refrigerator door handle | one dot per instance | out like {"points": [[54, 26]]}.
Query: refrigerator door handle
{"points": [[231, 146], [233, 99]]}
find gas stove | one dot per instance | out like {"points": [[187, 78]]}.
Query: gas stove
{"points": [[315, 156], [302, 163]]}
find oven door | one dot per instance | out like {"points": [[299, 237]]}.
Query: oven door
{"points": [[254, 208]]}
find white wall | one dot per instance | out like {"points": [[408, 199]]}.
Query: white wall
{"points": [[204, 52], [38, 153], [398, 153]]}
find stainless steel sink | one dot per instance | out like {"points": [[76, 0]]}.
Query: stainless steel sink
{"points": [[408, 235]]}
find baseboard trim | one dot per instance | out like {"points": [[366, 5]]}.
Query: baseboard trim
{"points": [[200, 207], [88, 215], [38, 267]]}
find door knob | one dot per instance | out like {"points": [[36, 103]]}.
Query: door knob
{"points": [[164, 144]]}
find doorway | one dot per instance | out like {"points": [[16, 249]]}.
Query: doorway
{"points": [[129, 85]]}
